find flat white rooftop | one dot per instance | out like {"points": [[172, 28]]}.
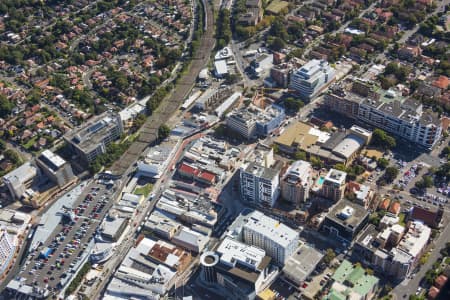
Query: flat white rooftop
{"points": [[233, 251], [271, 228], [336, 176]]}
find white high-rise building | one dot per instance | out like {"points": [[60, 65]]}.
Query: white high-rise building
{"points": [[295, 183], [57, 169], [333, 186], [259, 184], [310, 79], [278, 240]]}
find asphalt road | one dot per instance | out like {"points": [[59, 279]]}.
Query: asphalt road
{"points": [[409, 286]]}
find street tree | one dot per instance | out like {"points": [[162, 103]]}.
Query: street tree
{"points": [[163, 131]]}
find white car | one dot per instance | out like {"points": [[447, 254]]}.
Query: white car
{"points": [[419, 289]]}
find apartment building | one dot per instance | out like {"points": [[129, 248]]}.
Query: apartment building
{"points": [[57, 169], [333, 186], [295, 183], [310, 79], [259, 184], [253, 121], [253, 14], [388, 110], [393, 250], [93, 138], [278, 240]]}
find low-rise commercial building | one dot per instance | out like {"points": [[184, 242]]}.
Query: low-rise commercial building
{"points": [[301, 264], [93, 138], [190, 240], [300, 136], [112, 227], [195, 173], [431, 218], [352, 282], [189, 209], [19, 180], [141, 277], [157, 159], [162, 225], [345, 220], [169, 255]]}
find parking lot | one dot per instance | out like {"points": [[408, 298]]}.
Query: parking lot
{"points": [[50, 263]]}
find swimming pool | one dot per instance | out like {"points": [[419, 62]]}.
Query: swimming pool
{"points": [[320, 180]]}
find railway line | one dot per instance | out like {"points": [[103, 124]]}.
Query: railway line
{"points": [[149, 131]]}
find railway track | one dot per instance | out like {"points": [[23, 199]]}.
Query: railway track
{"points": [[149, 131]]}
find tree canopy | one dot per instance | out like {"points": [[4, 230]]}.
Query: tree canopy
{"points": [[390, 174], [293, 104], [163, 131], [381, 139], [6, 106]]}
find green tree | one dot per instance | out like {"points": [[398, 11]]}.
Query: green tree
{"points": [[6, 106], [316, 162], [382, 162], [293, 104], [340, 167], [300, 155], [329, 256], [163, 131], [390, 174], [381, 139], [277, 44]]}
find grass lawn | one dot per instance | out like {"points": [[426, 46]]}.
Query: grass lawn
{"points": [[401, 219], [30, 143], [277, 6], [144, 190]]}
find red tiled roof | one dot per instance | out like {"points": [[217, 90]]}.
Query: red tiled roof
{"points": [[353, 186], [395, 208], [433, 292], [188, 169], [442, 82], [205, 175], [385, 204], [426, 216], [440, 281]]}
